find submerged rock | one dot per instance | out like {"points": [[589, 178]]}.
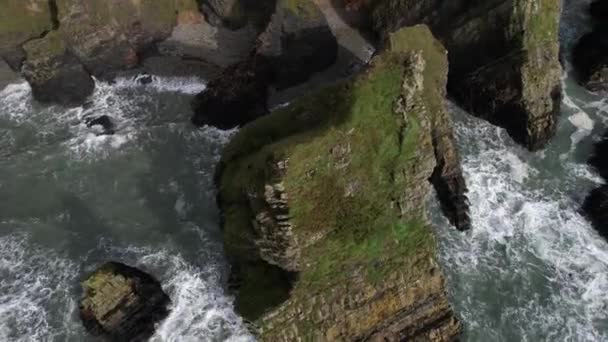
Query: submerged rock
{"points": [[122, 303], [590, 56], [324, 205], [504, 57]]}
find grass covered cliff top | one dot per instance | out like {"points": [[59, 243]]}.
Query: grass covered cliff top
{"points": [[355, 172]]}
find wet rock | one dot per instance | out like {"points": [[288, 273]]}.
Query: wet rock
{"points": [[303, 198], [596, 209], [238, 96], [296, 43], [599, 10], [590, 57], [122, 303], [599, 159], [7, 75], [54, 73], [103, 123]]}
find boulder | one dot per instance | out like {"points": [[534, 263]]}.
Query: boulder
{"points": [[296, 43], [54, 73], [590, 57], [504, 57], [122, 303], [324, 205]]}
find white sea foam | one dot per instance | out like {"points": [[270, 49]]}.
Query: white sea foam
{"points": [[31, 280]]}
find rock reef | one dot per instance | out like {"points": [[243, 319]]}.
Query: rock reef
{"points": [[122, 303], [324, 205]]}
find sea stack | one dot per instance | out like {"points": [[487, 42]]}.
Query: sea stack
{"points": [[122, 303]]}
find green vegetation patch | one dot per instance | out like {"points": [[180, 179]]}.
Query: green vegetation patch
{"points": [[349, 159]]}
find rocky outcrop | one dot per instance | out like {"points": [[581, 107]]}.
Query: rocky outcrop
{"points": [[21, 21], [599, 10], [590, 55], [296, 43], [122, 303], [58, 45], [324, 205], [596, 204], [504, 62], [54, 73], [237, 96], [596, 209]]}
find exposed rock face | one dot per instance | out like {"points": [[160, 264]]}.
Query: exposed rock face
{"points": [[20, 21], [599, 10], [235, 14], [122, 303], [504, 62], [324, 205], [596, 204], [237, 96], [54, 73], [596, 209], [590, 55], [296, 43]]}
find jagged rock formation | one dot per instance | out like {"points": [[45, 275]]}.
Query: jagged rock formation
{"points": [[596, 204], [590, 55], [504, 62], [65, 42], [122, 303], [296, 43], [324, 201]]}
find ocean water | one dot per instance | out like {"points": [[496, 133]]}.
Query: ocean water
{"points": [[531, 268], [71, 199]]}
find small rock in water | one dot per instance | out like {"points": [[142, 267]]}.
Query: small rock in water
{"points": [[104, 122], [122, 303], [144, 79]]}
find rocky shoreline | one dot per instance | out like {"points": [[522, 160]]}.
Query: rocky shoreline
{"points": [[323, 200]]}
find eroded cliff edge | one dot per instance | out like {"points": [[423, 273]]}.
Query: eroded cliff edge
{"points": [[324, 201]]}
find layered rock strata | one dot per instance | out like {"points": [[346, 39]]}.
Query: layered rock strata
{"points": [[324, 205], [122, 303]]}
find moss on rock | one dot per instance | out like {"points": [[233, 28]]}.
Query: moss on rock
{"points": [[21, 20], [333, 189]]}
